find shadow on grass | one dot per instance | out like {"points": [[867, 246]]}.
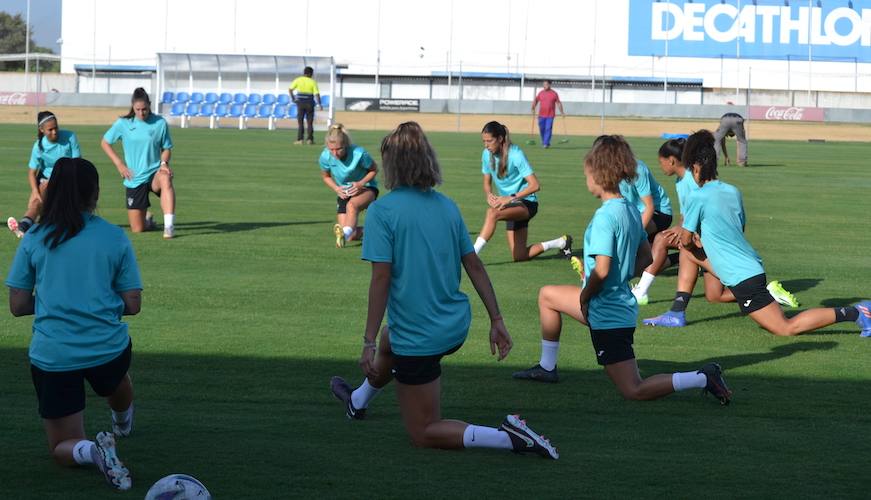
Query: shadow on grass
{"points": [[268, 427], [841, 302], [800, 285], [184, 229]]}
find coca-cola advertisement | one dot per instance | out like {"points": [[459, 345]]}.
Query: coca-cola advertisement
{"points": [[18, 98], [787, 113]]}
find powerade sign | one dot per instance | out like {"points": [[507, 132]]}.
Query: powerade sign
{"points": [[828, 30]]}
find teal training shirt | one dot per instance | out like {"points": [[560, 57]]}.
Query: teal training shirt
{"points": [[143, 142], [354, 167], [615, 231], [515, 174], [423, 236], [716, 212], [77, 321], [66, 146], [645, 185], [684, 186]]}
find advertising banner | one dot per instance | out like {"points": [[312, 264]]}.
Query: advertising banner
{"points": [[19, 98], [358, 104], [787, 113], [761, 29]]}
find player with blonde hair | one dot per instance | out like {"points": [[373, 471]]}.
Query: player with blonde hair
{"points": [[349, 171]]}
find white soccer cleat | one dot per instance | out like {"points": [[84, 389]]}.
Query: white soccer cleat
{"points": [[168, 232], [106, 458], [12, 224]]}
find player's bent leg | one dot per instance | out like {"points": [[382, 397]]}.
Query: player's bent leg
{"points": [[136, 218], [63, 434], [771, 318], [716, 292], [625, 376], [420, 406]]}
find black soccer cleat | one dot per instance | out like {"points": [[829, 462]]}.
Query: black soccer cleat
{"points": [[716, 384], [343, 391], [538, 374], [566, 251], [525, 440]]}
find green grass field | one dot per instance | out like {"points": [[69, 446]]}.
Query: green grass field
{"points": [[251, 309]]}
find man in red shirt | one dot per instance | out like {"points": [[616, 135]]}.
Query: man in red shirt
{"points": [[548, 98]]}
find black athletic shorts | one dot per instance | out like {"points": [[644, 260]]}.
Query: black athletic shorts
{"points": [[613, 345], [419, 370], [514, 225], [751, 294], [137, 198], [662, 222], [63, 393], [342, 205]]}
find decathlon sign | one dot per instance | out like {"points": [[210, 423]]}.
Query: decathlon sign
{"points": [[764, 29]]}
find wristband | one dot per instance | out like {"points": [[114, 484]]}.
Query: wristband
{"points": [[368, 344], [163, 162]]}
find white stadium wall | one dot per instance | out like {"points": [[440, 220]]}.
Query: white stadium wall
{"points": [[765, 46]]}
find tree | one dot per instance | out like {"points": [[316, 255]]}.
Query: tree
{"points": [[13, 33]]}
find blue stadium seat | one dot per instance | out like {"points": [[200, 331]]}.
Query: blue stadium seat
{"points": [[253, 98], [167, 97], [182, 97], [284, 99], [325, 101], [235, 111], [197, 97], [264, 111], [177, 109], [291, 111], [222, 109], [278, 113], [207, 109], [269, 99], [225, 98], [250, 111], [211, 98], [240, 98]]}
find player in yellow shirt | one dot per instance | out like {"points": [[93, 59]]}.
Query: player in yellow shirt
{"points": [[306, 96]]}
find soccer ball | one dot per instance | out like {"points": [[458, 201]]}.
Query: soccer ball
{"points": [[178, 487]]}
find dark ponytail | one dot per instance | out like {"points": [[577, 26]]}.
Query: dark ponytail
{"points": [[672, 148], [42, 118], [73, 188], [138, 95], [699, 153], [499, 131]]}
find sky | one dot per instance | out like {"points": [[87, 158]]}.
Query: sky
{"points": [[44, 19]]}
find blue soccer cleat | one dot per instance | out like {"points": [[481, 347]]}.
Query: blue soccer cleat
{"points": [[670, 319], [864, 319]]}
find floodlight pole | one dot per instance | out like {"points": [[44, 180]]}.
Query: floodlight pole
{"points": [[332, 109], [27, 49]]}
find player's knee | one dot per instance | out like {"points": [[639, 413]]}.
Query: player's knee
{"points": [[631, 392], [521, 255], [492, 214]]}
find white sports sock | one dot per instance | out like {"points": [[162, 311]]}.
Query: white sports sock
{"points": [[82, 452], [479, 244], [478, 436], [555, 243], [362, 395], [347, 231], [168, 220], [682, 381], [549, 351], [122, 416], [644, 283]]}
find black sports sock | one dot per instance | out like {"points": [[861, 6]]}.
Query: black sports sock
{"points": [[681, 301], [24, 224], [848, 313], [673, 258]]}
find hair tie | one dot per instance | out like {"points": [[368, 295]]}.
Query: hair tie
{"points": [[47, 118]]}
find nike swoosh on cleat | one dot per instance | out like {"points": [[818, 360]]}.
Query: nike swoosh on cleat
{"points": [[529, 442]]}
